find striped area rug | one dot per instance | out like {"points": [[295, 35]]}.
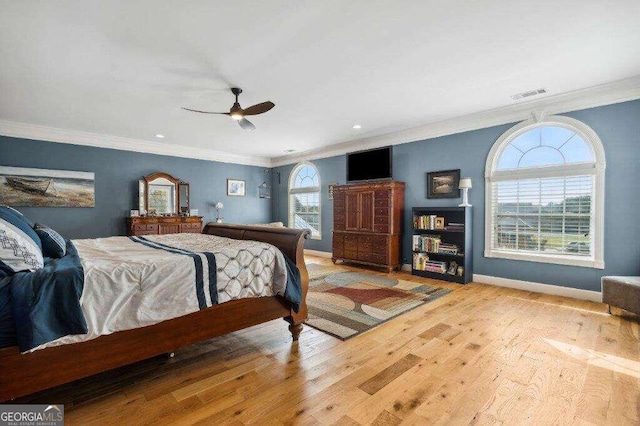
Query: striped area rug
{"points": [[345, 303]]}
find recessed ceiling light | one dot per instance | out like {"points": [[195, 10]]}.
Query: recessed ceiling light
{"points": [[289, 151], [159, 136], [357, 126]]}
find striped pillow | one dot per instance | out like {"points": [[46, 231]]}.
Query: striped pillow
{"points": [[20, 246], [53, 244]]}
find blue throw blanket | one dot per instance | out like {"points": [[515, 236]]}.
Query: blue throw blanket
{"points": [[42, 306], [46, 303]]}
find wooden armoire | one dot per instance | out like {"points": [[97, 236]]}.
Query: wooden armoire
{"points": [[367, 223]]}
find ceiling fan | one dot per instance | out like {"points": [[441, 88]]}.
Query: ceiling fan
{"points": [[238, 113]]}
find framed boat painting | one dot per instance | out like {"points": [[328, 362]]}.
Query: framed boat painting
{"points": [[21, 186]]}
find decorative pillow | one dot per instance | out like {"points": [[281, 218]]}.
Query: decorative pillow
{"points": [[9, 209], [18, 248], [53, 244]]}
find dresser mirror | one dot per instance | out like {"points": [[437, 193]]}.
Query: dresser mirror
{"points": [[163, 194], [183, 197]]}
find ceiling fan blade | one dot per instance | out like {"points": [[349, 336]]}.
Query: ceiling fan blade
{"points": [[259, 108], [205, 112], [246, 124]]}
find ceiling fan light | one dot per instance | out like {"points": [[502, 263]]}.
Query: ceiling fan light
{"points": [[237, 116]]}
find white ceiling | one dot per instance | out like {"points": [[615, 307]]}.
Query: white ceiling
{"points": [[124, 68]]}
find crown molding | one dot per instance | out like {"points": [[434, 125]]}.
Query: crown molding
{"points": [[74, 137], [605, 94]]}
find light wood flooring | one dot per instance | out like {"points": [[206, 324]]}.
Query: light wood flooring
{"points": [[480, 355]]}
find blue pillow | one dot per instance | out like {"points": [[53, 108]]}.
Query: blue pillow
{"points": [[53, 244], [18, 214]]}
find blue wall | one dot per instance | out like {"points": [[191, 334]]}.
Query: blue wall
{"points": [[116, 185], [619, 129]]}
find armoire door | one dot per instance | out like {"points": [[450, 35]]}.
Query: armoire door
{"points": [[366, 211], [352, 210]]}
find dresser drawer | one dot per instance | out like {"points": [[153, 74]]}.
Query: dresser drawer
{"points": [[382, 211], [384, 229], [153, 227], [382, 250], [351, 245], [380, 240], [337, 253], [383, 193], [365, 257], [381, 202], [350, 254], [365, 239], [381, 220], [380, 258]]}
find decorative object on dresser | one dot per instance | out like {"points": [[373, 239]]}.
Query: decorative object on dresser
{"points": [[165, 201], [367, 223], [443, 184], [443, 253]]}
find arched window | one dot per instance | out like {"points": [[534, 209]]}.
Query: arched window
{"points": [[304, 198], [545, 194]]}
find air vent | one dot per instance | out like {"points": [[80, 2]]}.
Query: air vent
{"points": [[528, 94]]}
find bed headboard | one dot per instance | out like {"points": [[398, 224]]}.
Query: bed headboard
{"points": [[290, 241]]}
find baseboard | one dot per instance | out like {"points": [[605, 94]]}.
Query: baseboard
{"points": [[318, 253], [594, 296]]}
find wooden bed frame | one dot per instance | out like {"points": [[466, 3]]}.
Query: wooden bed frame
{"points": [[23, 374]]}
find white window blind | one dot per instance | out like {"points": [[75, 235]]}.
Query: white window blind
{"points": [[545, 215]]}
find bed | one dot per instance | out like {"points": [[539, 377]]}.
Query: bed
{"points": [[69, 358]]}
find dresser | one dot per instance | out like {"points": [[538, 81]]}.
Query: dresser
{"points": [[164, 225], [367, 223]]}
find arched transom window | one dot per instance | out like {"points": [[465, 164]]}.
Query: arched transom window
{"points": [[304, 198], [545, 194]]}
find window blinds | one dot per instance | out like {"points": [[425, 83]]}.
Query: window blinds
{"points": [[550, 215]]}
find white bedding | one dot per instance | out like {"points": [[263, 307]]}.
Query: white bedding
{"points": [[128, 284]]}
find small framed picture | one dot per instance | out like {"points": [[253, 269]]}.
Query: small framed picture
{"points": [[439, 222], [453, 268], [236, 188], [134, 213], [193, 212], [443, 184]]}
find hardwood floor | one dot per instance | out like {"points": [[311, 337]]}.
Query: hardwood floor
{"points": [[480, 355]]}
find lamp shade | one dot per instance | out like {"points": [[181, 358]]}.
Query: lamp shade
{"points": [[465, 183], [219, 205]]}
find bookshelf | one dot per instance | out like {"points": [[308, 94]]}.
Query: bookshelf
{"points": [[441, 236]]}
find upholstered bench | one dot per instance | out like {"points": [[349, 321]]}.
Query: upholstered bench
{"points": [[622, 292]]}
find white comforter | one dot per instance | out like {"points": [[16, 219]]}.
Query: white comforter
{"points": [[130, 284]]}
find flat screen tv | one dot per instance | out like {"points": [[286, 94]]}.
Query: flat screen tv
{"points": [[373, 164]]}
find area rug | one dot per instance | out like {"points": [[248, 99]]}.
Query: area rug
{"points": [[345, 303]]}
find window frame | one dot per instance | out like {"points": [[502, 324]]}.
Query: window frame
{"points": [[292, 191], [595, 169]]}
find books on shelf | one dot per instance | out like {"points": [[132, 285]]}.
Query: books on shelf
{"points": [[455, 226], [426, 243], [426, 222], [433, 244], [421, 262]]}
